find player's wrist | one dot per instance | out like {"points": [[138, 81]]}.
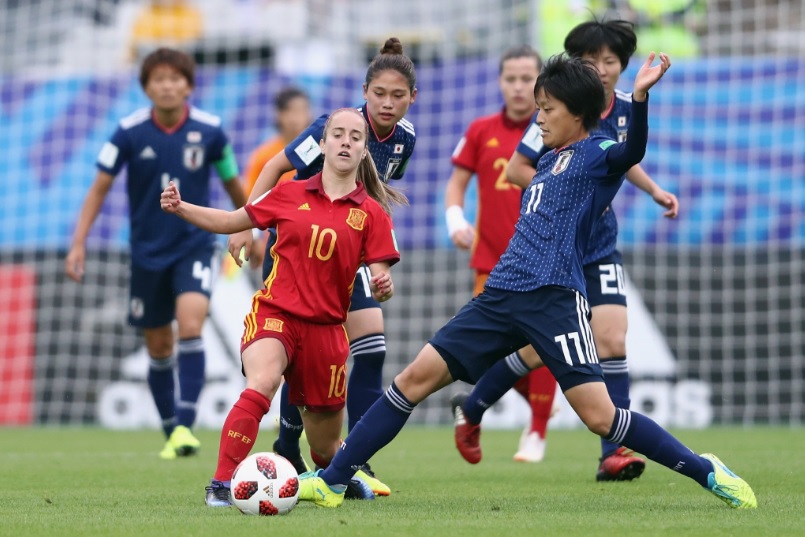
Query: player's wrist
{"points": [[454, 217], [256, 234]]}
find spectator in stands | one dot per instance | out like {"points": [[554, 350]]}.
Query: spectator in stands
{"points": [[166, 23]]}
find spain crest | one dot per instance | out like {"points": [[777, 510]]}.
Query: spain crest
{"points": [[356, 219], [273, 325]]}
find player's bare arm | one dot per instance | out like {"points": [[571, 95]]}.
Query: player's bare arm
{"points": [[381, 284], [461, 232], [270, 174], [74, 263], [235, 191], [639, 178], [206, 218], [520, 172]]}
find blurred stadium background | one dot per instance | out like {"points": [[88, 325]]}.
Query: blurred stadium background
{"points": [[719, 295]]}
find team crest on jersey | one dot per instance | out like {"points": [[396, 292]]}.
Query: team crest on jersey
{"points": [[273, 325], [193, 157], [562, 162], [621, 121], [391, 167], [621, 136], [194, 137], [356, 219]]}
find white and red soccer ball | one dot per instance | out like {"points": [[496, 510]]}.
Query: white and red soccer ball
{"points": [[265, 484]]}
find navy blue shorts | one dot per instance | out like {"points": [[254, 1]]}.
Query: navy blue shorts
{"points": [[555, 320], [361, 293], [152, 294], [606, 283]]}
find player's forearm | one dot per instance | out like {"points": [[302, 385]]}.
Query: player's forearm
{"points": [[214, 220], [234, 188], [639, 178], [454, 192], [519, 171], [89, 212]]}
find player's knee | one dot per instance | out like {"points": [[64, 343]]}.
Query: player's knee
{"points": [[611, 343]]}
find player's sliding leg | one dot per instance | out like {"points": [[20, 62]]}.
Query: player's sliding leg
{"points": [[379, 425], [591, 402]]}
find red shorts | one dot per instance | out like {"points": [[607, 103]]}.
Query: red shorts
{"points": [[317, 357]]}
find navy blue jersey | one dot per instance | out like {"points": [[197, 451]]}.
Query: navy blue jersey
{"points": [[614, 123], [153, 157], [390, 154], [571, 189]]}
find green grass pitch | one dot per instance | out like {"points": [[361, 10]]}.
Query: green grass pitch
{"points": [[90, 482]]}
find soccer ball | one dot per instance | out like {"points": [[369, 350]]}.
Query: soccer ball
{"points": [[265, 484]]}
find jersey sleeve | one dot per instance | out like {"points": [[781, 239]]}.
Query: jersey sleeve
{"points": [[622, 156], [304, 151], [222, 157], [264, 210], [381, 243], [465, 155], [531, 145], [114, 153]]}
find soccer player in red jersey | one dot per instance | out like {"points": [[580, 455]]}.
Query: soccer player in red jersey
{"points": [[389, 89], [326, 227], [484, 151]]}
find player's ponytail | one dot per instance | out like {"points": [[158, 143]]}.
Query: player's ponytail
{"points": [[379, 191]]}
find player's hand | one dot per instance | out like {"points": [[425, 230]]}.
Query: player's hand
{"points": [[649, 75], [464, 237], [74, 263], [382, 287], [237, 242], [667, 200], [170, 199]]}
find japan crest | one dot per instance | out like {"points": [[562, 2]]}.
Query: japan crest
{"points": [[193, 157], [562, 162]]}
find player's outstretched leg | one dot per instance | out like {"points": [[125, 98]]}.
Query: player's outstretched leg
{"points": [[467, 434], [728, 487]]}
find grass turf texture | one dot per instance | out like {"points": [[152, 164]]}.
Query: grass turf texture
{"points": [[91, 482]]}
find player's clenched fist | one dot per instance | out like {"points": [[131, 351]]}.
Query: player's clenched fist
{"points": [[382, 286], [170, 199]]}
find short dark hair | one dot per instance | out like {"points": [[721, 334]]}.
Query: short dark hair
{"points": [[574, 82], [520, 51], [391, 57], [284, 97], [591, 36], [167, 56]]}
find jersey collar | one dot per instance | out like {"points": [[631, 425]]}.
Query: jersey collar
{"points": [[358, 195], [179, 124], [605, 113], [368, 118], [509, 123]]}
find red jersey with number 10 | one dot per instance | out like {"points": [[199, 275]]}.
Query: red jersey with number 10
{"points": [[485, 150], [320, 245]]}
